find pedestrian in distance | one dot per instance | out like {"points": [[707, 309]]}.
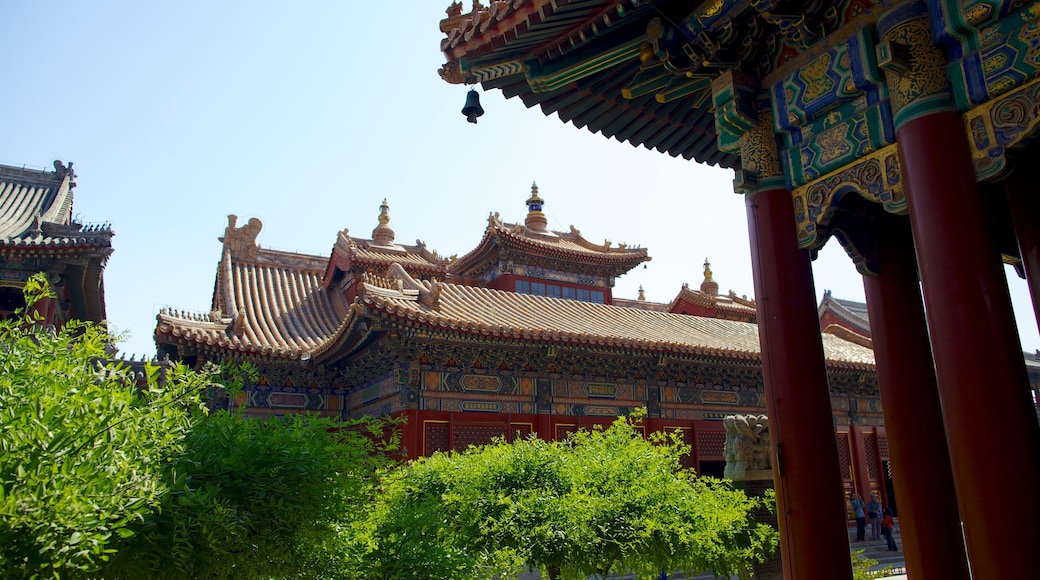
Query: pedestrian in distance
{"points": [[874, 516], [888, 529], [861, 518]]}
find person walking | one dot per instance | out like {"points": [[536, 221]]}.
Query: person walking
{"points": [[888, 529], [861, 519], [874, 516]]}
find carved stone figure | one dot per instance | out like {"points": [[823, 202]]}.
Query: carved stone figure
{"points": [[747, 446]]}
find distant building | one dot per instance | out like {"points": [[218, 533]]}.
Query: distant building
{"points": [[521, 335], [39, 234]]}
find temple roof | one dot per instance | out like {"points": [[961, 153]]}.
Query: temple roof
{"points": [[728, 306], [266, 303], [584, 60], [491, 313], [36, 214], [533, 239], [852, 314], [273, 305]]}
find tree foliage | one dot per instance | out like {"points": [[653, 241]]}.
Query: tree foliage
{"points": [[604, 501], [252, 498], [82, 446], [105, 474]]}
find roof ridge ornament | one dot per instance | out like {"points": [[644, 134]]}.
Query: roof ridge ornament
{"points": [[383, 234], [536, 220], [709, 285], [241, 241], [428, 296]]}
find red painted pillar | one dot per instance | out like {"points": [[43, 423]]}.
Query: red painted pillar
{"points": [[928, 514], [653, 425], [411, 433], [543, 426], [861, 475], [993, 435], [1023, 193], [811, 509]]}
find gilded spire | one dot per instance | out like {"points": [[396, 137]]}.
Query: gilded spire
{"points": [[535, 218], [709, 286], [642, 295], [383, 235]]}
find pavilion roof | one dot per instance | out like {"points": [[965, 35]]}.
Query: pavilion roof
{"points": [[586, 61], [350, 251], [532, 238], [379, 252], [728, 305], [36, 214]]}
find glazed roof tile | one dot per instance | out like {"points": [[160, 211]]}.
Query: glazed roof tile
{"points": [[509, 315], [36, 212], [271, 305]]}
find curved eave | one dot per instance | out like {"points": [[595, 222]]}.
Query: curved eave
{"points": [[349, 337], [677, 128], [212, 340]]}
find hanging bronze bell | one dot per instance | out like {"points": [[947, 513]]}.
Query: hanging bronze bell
{"points": [[472, 110]]}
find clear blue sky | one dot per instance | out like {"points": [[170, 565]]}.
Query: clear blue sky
{"points": [[306, 115]]}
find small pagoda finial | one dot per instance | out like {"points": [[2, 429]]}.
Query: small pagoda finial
{"points": [[709, 286], [535, 218], [383, 235], [642, 295]]}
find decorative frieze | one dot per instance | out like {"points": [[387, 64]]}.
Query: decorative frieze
{"points": [[998, 125], [875, 177]]}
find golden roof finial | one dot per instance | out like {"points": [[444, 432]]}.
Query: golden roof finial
{"points": [[709, 286], [642, 295], [383, 235], [535, 218]]}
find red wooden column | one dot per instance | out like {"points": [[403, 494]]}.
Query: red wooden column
{"points": [[993, 435], [811, 509], [928, 514], [991, 428], [858, 458]]}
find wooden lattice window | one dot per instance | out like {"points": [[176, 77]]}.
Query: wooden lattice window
{"points": [[882, 442], [562, 431], [469, 435], [711, 445], [844, 456], [436, 437], [870, 446], [518, 432]]}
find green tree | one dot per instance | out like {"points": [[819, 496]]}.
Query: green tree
{"points": [[82, 445], [251, 498], [604, 501], [103, 473]]}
